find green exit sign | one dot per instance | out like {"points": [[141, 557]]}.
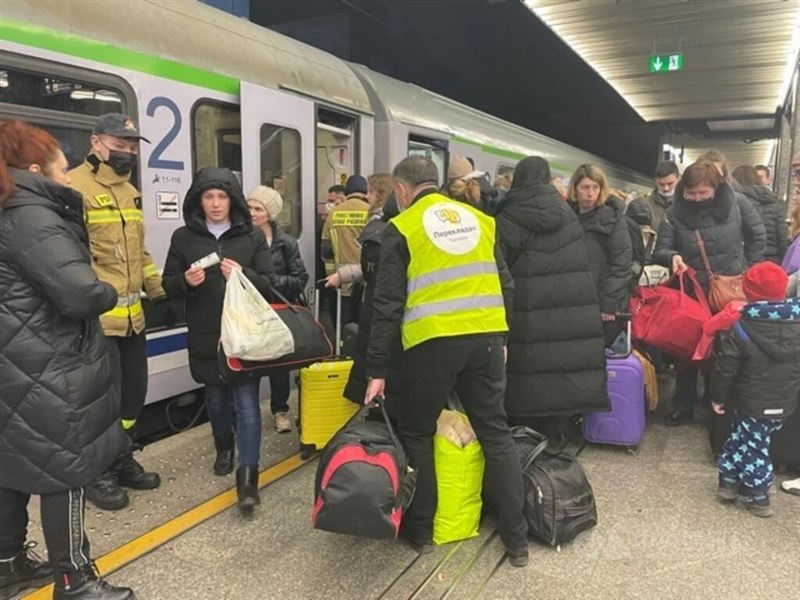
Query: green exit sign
{"points": [[661, 63]]}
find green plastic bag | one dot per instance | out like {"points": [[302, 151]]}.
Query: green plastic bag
{"points": [[459, 479]]}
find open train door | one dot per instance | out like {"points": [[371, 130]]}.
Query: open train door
{"points": [[278, 140]]}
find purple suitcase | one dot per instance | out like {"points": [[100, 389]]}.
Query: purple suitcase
{"points": [[625, 423]]}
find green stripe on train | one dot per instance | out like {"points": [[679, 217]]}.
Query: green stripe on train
{"points": [[505, 153], [29, 34], [67, 43]]}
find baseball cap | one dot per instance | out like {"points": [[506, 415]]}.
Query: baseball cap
{"points": [[118, 125]]}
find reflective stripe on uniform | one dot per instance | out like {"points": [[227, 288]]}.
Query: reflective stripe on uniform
{"points": [[129, 299], [450, 274], [112, 215], [432, 309], [149, 270], [123, 312]]}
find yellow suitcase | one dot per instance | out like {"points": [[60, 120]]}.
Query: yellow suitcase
{"points": [[323, 407]]}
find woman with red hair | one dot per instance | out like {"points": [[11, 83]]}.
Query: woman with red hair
{"points": [[59, 408]]}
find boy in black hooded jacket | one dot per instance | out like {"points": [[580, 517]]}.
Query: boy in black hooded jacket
{"points": [[757, 373]]}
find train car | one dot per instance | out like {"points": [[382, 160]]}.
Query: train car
{"points": [[208, 88], [412, 120]]}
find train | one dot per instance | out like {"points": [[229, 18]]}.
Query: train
{"points": [[209, 88]]}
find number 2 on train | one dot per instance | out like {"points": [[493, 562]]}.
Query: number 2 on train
{"points": [[155, 161]]}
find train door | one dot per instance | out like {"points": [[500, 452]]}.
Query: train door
{"points": [[278, 150]]}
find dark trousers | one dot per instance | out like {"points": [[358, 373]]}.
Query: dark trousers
{"points": [[686, 389], [279, 386], [473, 367], [132, 353], [62, 522]]}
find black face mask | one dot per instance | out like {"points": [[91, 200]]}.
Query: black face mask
{"points": [[121, 162]]}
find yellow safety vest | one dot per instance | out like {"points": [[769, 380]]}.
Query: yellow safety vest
{"points": [[453, 283]]}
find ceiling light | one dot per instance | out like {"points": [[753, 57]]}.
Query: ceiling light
{"points": [[790, 71], [741, 124], [541, 12]]}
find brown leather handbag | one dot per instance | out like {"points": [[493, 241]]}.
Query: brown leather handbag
{"points": [[721, 288]]}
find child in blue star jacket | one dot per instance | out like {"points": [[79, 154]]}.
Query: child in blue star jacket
{"points": [[757, 375]]}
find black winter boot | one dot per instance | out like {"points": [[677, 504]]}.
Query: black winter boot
{"points": [[225, 445], [728, 490], [247, 488], [105, 492], [25, 570], [756, 501], [84, 584], [131, 474]]}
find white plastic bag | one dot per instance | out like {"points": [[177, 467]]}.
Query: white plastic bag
{"points": [[250, 328]]}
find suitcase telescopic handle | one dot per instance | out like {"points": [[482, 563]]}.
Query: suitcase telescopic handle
{"points": [[628, 317], [338, 326]]}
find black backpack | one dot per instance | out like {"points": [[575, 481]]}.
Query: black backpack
{"points": [[363, 483], [559, 503]]}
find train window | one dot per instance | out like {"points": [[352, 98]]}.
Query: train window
{"points": [[217, 138], [281, 169], [62, 99], [436, 150], [38, 90]]}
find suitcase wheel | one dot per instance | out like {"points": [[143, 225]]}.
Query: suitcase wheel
{"points": [[632, 449], [307, 451]]}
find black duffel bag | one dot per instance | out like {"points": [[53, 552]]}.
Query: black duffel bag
{"points": [[363, 483], [559, 502], [311, 344]]}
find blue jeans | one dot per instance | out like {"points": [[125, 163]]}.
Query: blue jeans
{"points": [[280, 386], [220, 403]]}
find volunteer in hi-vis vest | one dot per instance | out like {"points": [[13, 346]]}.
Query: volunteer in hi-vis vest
{"points": [[113, 214], [445, 290], [339, 245]]}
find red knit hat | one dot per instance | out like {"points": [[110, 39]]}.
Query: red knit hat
{"points": [[765, 281]]}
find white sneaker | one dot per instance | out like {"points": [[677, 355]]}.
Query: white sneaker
{"points": [[791, 486], [283, 424]]}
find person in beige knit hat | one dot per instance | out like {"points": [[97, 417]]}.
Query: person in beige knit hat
{"points": [[291, 278]]}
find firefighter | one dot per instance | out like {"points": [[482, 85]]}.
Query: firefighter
{"points": [[339, 245], [114, 220]]}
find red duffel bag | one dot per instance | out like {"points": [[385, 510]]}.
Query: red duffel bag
{"points": [[670, 319]]}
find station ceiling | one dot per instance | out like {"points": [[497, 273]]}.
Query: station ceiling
{"points": [[737, 55], [733, 63]]}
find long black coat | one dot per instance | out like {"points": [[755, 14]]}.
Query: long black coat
{"points": [[732, 232], [608, 242], [59, 404], [356, 388], [773, 214], [291, 276], [242, 243], [556, 360]]}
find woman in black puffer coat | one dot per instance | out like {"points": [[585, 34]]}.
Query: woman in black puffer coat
{"points": [[608, 241], [556, 360], [218, 220], [59, 402], [769, 208], [291, 278], [734, 238]]}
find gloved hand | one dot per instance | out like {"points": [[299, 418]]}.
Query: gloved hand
{"points": [[168, 312]]}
